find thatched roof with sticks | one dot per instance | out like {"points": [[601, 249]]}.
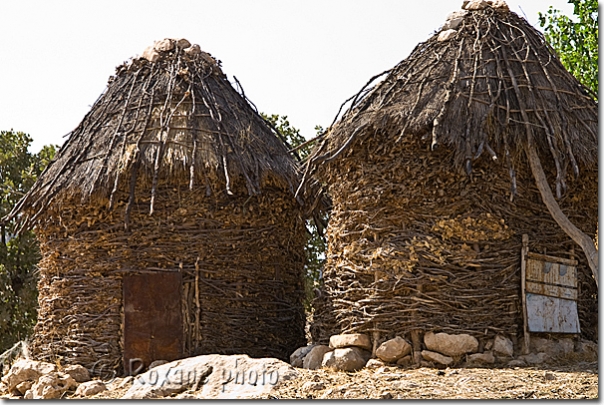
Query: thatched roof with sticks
{"points": [[170, 114], [475, 87]]}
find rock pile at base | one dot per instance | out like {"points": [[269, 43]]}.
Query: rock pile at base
{"points": [[346, 359], [451, 345], [39, 380], [212, 376], [202, 377], [393, 349], [351, 352]]}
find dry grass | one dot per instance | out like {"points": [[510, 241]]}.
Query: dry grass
{"points": [[564, 382]]}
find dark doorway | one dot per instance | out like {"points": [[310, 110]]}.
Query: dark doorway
{"points": [[152, 319]]}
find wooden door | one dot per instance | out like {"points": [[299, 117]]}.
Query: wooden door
{"points": [[152, 319], [551, 294]]}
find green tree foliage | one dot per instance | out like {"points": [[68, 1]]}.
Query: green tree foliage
{"points": [[576, 42], [315, 246], [19, 256], [291, 134]]}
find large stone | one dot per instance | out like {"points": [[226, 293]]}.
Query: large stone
{"points": [[182, 43], [588, 349], [90, 388], [374, 363], [393, 349], [51, 386], [566, 345], [78, 373], [450, 345], [314, 358], [405, 361], [534, 359], [119, 383], [481, 358], [128, 380], [474, 5], [150, 54], [350, 340], [454, 20], [516, 363], [24, 386], [446, 35], [345, 359], [542, 345], [213, 376], [551, 347], [157, 363], [498, 4], [296, 359], [165, 45], [26, 370], [503, 346], [193, 50], [437, 357]]}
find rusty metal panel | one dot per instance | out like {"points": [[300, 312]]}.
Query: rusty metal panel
{"points": [[551, 273], [550, 314], [152, 318]]}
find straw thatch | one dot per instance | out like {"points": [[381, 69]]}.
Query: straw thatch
{"points": [[178, 117], [171, 171], [432, 188]]}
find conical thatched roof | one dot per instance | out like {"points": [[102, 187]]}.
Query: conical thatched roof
{"points": [[170, 115], [478, 86]]}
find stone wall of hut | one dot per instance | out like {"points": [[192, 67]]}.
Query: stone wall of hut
{"points": [[241, 259], [414, 243]]}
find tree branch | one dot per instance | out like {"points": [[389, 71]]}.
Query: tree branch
{"points": [[550, 202]]}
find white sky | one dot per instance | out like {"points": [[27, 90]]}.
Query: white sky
{"points": [[300, 58]]}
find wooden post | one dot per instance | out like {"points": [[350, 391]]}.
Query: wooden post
{"points": [[416, 341], [416, 336], [523, 255], [376, 339], [376, 333]]}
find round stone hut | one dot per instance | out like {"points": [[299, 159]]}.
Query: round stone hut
{"points": [[437, 171], [167, 223]]}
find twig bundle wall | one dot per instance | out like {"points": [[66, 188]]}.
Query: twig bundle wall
{"points": [[245, 254], [414, 243], [172, 170], [432, 189]]}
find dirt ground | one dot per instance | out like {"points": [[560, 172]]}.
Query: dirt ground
{"points": [[579, 381], [576, 381]]}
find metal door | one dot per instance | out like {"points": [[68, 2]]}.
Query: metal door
{"points": [[152, 319], [551, 294]]}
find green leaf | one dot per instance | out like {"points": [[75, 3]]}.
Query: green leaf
{"points": [[575, 42], [19, 169]]}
